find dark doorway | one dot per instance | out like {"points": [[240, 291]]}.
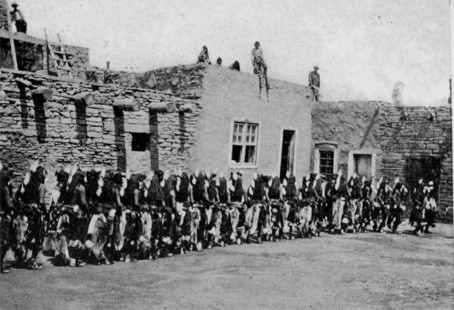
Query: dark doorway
{"points": [[288, 152], [426, 168]]}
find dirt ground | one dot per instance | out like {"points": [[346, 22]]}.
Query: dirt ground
{"points": [[363, 271]]}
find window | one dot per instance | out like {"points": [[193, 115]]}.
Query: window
{"points": [[326, 162], [140, 142], [326, 158], [244, 143], [362, 162], [363, 165]]}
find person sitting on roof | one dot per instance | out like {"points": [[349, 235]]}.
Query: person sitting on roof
{"points": [[18, 18], [235, 66], [203, 56], [219, 62]]}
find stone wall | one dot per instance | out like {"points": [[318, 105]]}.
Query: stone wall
{"points": [[418, 132], [62, 132], [3, 14], [33, 55], [184, 81], [79, 61], [395, 134]]}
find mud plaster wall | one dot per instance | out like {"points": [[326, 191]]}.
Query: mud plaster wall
{"points": [[228, 96], [395, 133], [61, 132]]}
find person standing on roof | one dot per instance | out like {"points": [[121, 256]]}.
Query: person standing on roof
{"points": [[18, 18], [259, 65], [314, 83], [204, 56]]}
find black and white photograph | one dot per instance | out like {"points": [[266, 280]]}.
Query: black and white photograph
{"points": [[226, 154]]}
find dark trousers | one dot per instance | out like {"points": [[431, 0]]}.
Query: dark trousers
{"points": [[21, 26], [394, 218]]}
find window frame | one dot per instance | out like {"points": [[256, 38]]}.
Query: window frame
{"points": [[324, 146], [352, 163], [245, 121]]}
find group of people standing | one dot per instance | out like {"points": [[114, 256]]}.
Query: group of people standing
{"points": [[103, 216], [260, 68]]}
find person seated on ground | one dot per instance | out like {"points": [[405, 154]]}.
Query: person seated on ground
{"points": [[219, 62], [235, 66], [204, 56], [18, 18]]}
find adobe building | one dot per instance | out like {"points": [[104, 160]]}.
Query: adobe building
{"points": [[208, 117], [216, 122]]}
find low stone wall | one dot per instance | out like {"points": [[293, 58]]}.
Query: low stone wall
{"points": [[61, 131], [184, 81]]}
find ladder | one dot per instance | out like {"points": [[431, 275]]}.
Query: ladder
{"points": [[59, 56], [11, 40]]}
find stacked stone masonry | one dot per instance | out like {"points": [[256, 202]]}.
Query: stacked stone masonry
{"points": [[62, 132], [394, 133], [3, 14], [33, 55]]}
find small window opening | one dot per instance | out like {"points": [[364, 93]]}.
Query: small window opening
{"points": [[140, 142]]}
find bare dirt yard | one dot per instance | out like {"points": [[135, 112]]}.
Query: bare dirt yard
{"points": [[362, 271]]}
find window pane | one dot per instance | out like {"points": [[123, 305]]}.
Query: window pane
{"points": [[250, 154], [326, 162], [244, 140], [236, 153]]}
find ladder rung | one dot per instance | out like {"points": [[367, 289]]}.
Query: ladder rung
{"points": [[63, 68], [64, 60]]}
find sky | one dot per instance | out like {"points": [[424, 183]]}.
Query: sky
{"points": [[362, 47]]}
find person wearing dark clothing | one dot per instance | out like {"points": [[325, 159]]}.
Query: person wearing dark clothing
{"points": [[18, 18], [235, 66], [204, 57], [6, 207], [416, 216], [429, 206]]}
